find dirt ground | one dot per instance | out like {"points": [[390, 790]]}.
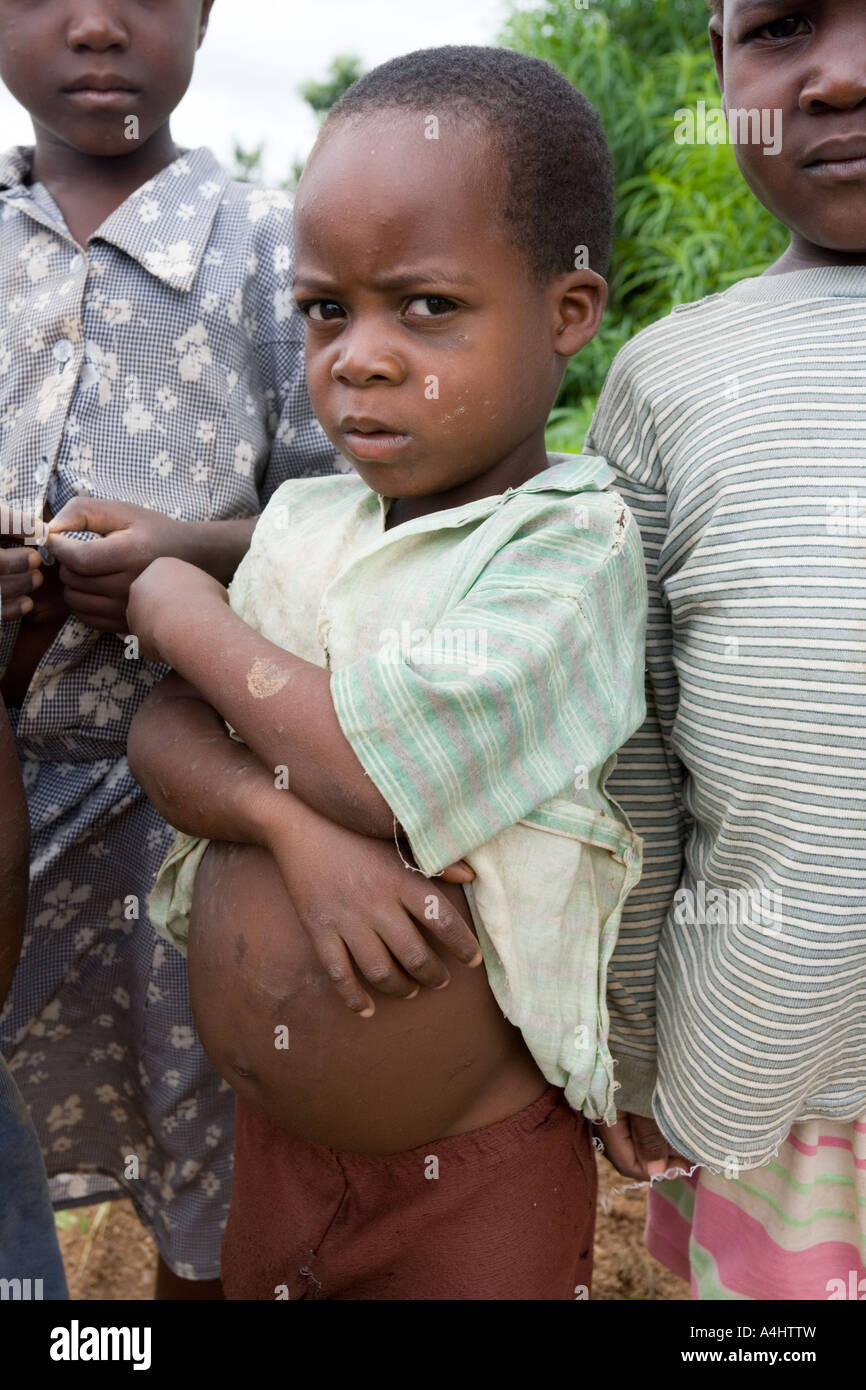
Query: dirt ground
{"points": [[108, 1255]]}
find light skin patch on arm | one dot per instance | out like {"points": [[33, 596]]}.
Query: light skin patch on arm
{"points": [[265, 678]]}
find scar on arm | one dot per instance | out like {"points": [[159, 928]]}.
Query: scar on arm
{"points": [[265, 678]]}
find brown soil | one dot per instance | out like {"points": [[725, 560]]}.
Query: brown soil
{"points": [[108, 1254]]}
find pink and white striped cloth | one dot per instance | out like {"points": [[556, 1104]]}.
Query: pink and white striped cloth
{"points": [[793, 1229]]}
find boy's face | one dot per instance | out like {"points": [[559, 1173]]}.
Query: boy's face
{"points": [[806, 58], [83, 67], [432, 354]]}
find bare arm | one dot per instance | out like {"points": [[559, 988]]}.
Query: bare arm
{"points": [[279, 704], [199, 779]]}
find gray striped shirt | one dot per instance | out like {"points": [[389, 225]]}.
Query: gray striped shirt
{"points": [[737, 429]]}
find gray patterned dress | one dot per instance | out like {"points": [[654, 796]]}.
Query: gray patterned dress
{"points": [[162, 365]]}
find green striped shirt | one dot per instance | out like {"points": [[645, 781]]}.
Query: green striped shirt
{"points": [[487, 663]]}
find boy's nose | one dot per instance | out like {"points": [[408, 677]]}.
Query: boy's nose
{"points": [[96, 24], [362, 361], [838, 78]]}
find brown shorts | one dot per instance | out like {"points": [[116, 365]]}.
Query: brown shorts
{"points": [[506, 1212]]}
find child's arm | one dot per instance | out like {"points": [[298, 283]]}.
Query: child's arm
{"points": [[14, 854], [350, 893], [279, 704]]}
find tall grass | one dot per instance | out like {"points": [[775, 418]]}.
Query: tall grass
{"points": [[686, 224]]}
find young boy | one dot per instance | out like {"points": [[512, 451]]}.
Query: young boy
{"points": [[29, 1253], [736, 427], [152, 392], [455, 663]]}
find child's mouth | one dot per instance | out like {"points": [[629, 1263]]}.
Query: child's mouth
{"points": [[370, 440], [99, 93], [838, 160]]}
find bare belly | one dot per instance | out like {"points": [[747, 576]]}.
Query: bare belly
{"points": [[419, 1069]]}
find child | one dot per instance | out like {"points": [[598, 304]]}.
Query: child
{"points": [[151, 391], [29, 1253], [456, 662], [736, 427]]}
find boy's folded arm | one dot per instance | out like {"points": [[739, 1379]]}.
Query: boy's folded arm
{"points": [[201, 781], [210, 786], [546, 680]]}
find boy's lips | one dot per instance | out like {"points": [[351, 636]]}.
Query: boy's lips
{"points": [[838, 159], [101, 91], [370, 439]]}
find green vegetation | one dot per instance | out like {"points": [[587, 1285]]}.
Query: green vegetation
{"points": [[687, 225]]}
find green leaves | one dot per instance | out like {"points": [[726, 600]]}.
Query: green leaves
{"points": [[687, 225]]}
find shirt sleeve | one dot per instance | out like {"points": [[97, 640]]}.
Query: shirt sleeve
{"points": [[536, 674], [648, 778]]}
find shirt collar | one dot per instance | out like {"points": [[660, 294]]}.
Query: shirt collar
{"points": [[165, 225], [564, 473]]}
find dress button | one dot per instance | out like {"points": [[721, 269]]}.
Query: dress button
{"points": [[75, 264], [62, 350]]}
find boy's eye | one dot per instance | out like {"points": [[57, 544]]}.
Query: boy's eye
{"points": [[788, 28], [321, 310], [432, 306]]}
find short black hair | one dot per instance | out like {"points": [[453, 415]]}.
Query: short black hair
{"points": [[560, 174]]}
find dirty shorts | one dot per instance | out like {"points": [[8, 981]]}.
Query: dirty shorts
{"points": [[505, 1212]]}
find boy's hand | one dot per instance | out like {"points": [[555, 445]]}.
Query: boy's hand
{"points": [[96, 575], [165, 588], [21, 574], [357, 903], [637, 1148]]}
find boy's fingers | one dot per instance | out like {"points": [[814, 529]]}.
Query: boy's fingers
{"points": [[17, 560], [619, 1148], [90, 514], [419, 960], [26, 582], [107, 555], [650, 1145], [113, 586], [378, 966], [458, 873], [338, 967], [443, 921], [16, 607], [16, 590]]}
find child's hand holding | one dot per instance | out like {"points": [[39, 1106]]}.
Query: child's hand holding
{"points": [[96, 575]]}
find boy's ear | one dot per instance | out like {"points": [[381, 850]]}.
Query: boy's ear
{"points": [[579, 300], [207, 6], [718, 46]]}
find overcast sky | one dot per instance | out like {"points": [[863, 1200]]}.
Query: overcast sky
{"points": [[257, 53]]}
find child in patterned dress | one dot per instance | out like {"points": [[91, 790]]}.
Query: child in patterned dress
{"points": [[152, 398]]}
